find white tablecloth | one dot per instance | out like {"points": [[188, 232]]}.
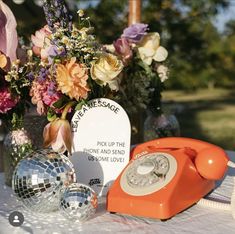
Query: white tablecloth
{"points": [[196, 219]]}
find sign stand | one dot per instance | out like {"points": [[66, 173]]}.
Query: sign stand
{"points": [[101, 143]]}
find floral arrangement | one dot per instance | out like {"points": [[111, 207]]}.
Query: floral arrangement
{"points": [[70, 68], [14, 85], [144, 72], [66, 67]]}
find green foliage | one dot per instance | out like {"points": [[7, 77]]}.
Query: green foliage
{"points": [[134, 88], [109, 18], [193, 42], [208, 116], [80, 104], [51, 115], [60, 104]]}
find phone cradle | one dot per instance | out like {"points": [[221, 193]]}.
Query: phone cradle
{"points": [[161, 181]]}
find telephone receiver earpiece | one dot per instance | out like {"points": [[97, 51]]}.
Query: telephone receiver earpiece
{"points": [[212, 163]]}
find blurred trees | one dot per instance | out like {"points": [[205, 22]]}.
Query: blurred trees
{"points": [[199, 55], [193, 41]]}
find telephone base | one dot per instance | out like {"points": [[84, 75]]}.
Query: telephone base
{"points": [[185, 188], [153, 206]]}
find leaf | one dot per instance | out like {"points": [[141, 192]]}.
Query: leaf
{"points": [[61, 102], [51, 115], [79, 105], [145, 67]]}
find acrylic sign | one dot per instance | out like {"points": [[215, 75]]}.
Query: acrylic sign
{"points": [[101, 143]]}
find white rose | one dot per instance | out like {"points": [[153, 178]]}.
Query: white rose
{"points": [[163, 72], [149, 49], [110, 48], [106, 69]]}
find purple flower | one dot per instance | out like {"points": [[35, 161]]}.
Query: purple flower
{"points": [[55, 51], [135, 32], [42, 75], [57, 12], [30, 76], [51, 90]]}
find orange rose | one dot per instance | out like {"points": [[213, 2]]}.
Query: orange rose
{"points": [[72, 79]]}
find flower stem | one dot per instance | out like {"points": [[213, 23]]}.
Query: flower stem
{"points": [[66, 109]]}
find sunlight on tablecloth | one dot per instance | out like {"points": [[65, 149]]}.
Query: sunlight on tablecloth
{"points": [[194, 220]]}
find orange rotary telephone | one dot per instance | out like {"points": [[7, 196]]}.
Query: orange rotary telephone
{"points": [[165, 176]]}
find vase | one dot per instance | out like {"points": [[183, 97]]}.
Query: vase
{"points": [[158, 125], [2, 136], [16, 145], [137, 120], [34, 125]]}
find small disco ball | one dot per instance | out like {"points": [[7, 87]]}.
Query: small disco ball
{"points": [[39, 179], [79, 202]]}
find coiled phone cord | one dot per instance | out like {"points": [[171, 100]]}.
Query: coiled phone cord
{"points": [[220, 205]]}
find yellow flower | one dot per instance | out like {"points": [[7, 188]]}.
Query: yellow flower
{"points": [[72, 79], [81, 13], [3, 60], [65, 40], [149, 49], [106, 69]]}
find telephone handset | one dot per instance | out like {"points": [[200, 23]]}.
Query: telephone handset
{"points": [[166, 176]]}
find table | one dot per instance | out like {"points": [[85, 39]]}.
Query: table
{"points": [[196, 219]]}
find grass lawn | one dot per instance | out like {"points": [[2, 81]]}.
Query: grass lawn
{"points": [[207, 115]]}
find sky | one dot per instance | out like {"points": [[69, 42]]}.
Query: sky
{"points": [[225, 16]]}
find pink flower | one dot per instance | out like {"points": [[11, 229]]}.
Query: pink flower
{"points": [[123, 48], [51, 95], [8, 34], [57, 133], [20, 137], [7, 101], [36, 92], [41, 42], [44, 94]]}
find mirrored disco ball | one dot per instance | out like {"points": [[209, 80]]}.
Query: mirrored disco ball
{"points": [[79, 202], [39, 179]]}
